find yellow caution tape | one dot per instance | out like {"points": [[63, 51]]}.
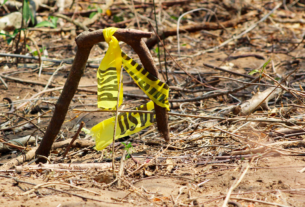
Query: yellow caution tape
{"points": [[108, 73], [156, 90], [108, 76], [128, 124]]}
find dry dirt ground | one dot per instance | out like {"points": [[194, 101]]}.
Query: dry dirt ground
{"points": [[205, 158]]}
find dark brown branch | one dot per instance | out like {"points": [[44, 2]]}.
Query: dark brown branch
{"points": [[216, 94], [151, 42], [161, 114], [73, 139], [228, 71], [85, 42]]}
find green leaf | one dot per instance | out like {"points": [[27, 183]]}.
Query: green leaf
{"points": [[26, 11], [117, 19], [9, 40], [127, 148], [129, 145], [92, 14], [174, 17], [32, 17], [54, 21], [28, 47], [16, 31], [183, 45], [45, 24], [35, 53], [99, 10], [156, 50], [253, 72], [7, 35], [265, 65], [10, 37], [91, 7], [4, 2]]}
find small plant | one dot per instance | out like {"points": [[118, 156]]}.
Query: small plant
{"points": [[156, 50], [128, 147], [263, 68], [92, 14], [52, 22], [117, 19], [34, 52], [27, 13], [10, 37]]}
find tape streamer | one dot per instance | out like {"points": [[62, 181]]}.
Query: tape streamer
{"points": [[108, 76], [156, 90], [108, 73], [128, 124]]}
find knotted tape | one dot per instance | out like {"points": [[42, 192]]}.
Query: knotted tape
{"points": [[108, 77]]}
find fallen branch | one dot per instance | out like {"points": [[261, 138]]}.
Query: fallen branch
{"points": [[78, 143], [260, 99], [228, 71], [151, 42], [72, 166], [15, 143], [26, 81], [216, 94], [259, 201], [30, 154], [19, 160], [61, 191]]}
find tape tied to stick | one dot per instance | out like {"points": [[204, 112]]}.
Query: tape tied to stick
{"points": [[108, 74], [128, 124], [108, 78]]}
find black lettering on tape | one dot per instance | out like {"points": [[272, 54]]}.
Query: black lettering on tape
{"points": [[165, 87], [126, 57], [143, 116], [108, 79], [133, 120], [133, 62], [152, 91], [110, 69], [108, 88], [144, 85], [144, 72], [162, 98], [157, 95], [151, 77], [108, 74], [139, 67], [151, 118], [121, 124], [136, 78], [125, 120], [109, 97], [131, 73]]}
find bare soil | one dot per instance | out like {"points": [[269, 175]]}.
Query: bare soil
{"points": [[202, 162]]}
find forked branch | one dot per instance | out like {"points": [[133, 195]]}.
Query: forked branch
{"points": [[85, 42]]}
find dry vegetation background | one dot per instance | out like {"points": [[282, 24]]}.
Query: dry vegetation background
{"points": [[236, 75]]}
